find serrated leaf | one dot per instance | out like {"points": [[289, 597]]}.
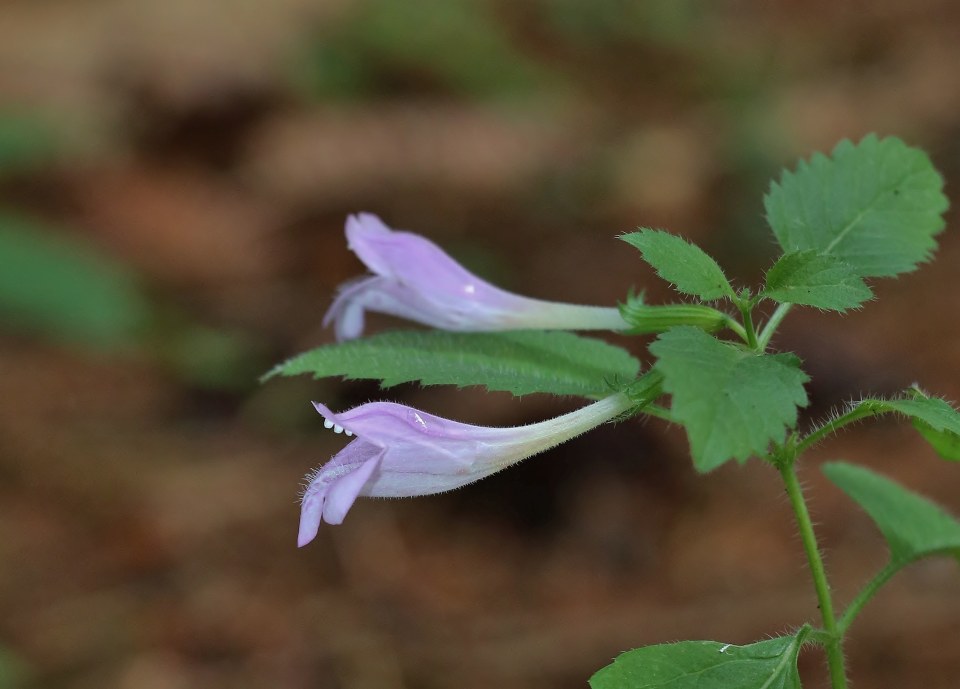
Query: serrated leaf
{"points": [[732, 402], [912, 525], [876, 205], [520, 362], [815, 279], [769, 664], [684, 264]]}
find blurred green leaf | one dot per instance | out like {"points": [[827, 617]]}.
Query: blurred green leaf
{"points": [[58, 287], [209, 358], [769, 664], [458, 44], [602, 22], [913, 526], [14, 672], [25, 141]]}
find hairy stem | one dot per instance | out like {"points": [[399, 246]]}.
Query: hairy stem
{"points": [[861, 411], [737, 329], [746, 314], [832, 643]]}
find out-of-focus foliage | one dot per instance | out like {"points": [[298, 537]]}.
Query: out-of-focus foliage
{"points": [[62, 288], [25, 141], [455, 45], [601, 22], [13, 672]]}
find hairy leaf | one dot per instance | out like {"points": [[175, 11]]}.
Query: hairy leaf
{"points": [[935, 420], [912, 525], [876, 205], [684, 264], [815, 279], [769, 664], [520, 362], [733, 402]]}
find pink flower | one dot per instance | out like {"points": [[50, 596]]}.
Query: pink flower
{"points": [[414, 279], [402, 452]]}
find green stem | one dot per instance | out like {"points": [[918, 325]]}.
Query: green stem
{"points": [[746, 314], [771, 326], [835, 661], [737, 329], [659, 412], [868, 591], [861, 411]]}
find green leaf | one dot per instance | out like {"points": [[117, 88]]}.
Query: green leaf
{"points": [[54, 285], [769, 664], [814, 279], [935, 420], [685, 265], [945, 443], [913, 526], [876, 205], [732, 401], [520, 362]]}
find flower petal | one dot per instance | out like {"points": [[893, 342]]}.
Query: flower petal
{"points": [[342, 493], [348, 307], [363, 232], [311, 512], [415, 279]]}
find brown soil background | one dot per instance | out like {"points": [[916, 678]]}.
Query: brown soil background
{"points": [[147, 512]]}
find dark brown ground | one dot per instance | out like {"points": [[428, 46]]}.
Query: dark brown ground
{"points": [[147, 508]]}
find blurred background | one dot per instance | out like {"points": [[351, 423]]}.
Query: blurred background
{"points": [[174, 178]]}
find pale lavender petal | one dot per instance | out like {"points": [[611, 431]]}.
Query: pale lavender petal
{"points": [[401, 452], [311, 512], [401, 429], [363, 231], [342, 492], [347, 309], [415, 279]]}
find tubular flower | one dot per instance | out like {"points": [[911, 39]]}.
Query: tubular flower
{"points": [[399, 451], [413, 278]]}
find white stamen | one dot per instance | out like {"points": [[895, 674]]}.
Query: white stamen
{"points": [[348, 432], [337, 428], [327, 423]]}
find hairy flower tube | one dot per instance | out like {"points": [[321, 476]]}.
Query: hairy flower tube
{"points": [[415, 279], [399, 451]]}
